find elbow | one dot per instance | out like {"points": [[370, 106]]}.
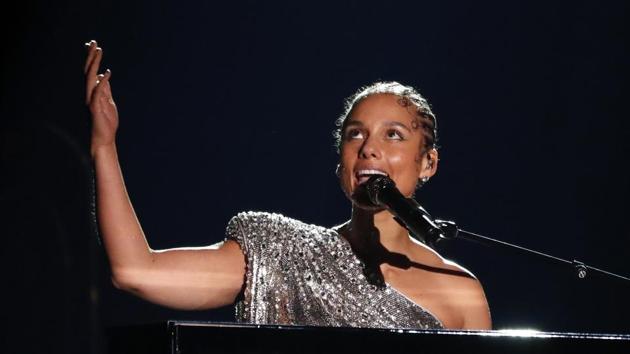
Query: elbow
{"points": [[124, 282], [117, 283], [121, 284]]}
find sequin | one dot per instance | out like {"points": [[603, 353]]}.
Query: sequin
{"points": [[327, 288]]}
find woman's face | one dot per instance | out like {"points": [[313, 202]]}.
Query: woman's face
{"points": [[382, 135]]}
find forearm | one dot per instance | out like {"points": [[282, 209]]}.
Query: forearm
{"points": [[122, 234]]}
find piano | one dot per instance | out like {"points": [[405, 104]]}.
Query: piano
{"points": [[192, 337]]}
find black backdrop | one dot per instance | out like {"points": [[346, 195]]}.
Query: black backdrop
{"points": [[230, 107]]}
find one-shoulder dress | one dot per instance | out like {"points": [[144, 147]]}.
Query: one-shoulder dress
{"points": [[302, 274]]}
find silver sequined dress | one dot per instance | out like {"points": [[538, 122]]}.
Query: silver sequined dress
{"points": [[301, 274]]}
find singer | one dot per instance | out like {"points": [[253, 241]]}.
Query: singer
{"points": [[367, 272]]}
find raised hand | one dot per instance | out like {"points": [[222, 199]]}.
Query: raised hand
{"points": [[167, 277], [98, 97]]}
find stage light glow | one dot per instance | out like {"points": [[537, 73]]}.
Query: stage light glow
{"points": [[520, 332]]}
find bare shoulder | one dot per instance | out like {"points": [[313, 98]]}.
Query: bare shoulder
{"points": [[460, 287], [426, 255], [453, 273]]}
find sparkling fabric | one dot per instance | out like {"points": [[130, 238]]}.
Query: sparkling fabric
{"points": [[302, 274]]}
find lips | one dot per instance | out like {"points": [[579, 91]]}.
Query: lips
{"points": [[363, 175]]}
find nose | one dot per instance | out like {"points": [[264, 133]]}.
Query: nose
{"points": [[369, 149]]}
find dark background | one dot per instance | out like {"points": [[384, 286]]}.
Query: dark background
{"points": [[229, 107]]}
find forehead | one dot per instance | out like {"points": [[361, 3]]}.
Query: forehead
{"points": [[383, 107]]}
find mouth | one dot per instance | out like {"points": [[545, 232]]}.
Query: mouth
{"points": [[363, 176]]}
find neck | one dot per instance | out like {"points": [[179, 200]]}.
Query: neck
{"points": [[377, 239], [372, 233]]}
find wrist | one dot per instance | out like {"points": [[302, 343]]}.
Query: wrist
{"points": [[102, 150]]}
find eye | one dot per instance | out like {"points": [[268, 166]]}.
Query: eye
{"points": [[354, 134], [394, 134]]}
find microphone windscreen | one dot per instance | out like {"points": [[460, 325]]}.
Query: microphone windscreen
{"points": [[375, 185]]}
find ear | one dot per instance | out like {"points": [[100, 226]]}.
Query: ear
{"points": [[429, 164]]}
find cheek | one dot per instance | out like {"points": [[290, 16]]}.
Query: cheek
{"points": [[418, 158], [344, 173], [407, 167], [406, 161]]}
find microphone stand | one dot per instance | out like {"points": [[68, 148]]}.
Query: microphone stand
{"points": [[450, 231], [421, 226]]}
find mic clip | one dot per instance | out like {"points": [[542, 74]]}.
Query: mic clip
{"points": [[447, 231]]}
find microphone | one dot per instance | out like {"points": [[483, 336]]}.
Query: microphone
{"points": [[382, 191]]}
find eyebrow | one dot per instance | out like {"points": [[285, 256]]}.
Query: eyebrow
{"points": [[388, 123]]}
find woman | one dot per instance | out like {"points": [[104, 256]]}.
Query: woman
{"points": [[367, 272]]}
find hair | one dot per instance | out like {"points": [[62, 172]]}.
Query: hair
{"points": [[408, 96]]}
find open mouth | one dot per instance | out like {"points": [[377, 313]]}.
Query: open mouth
{"points": [[363, 175]]}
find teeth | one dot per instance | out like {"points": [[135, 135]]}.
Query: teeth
{"points": [[361, 173]]}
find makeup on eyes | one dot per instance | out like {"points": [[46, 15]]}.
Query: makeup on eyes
{"points": [[354, 126]]}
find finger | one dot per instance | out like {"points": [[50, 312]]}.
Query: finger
{"points": [[91, 77], [95, 62], [105, 85], [96, 92], [91, 47], [102, 90], [102, 99], [91, 86]]}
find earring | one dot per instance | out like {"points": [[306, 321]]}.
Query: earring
{"points": [[338, 170], [421, 182]]}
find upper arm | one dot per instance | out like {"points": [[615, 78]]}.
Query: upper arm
{"points": [[475, 307], [190, 278], [470, 298]]}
